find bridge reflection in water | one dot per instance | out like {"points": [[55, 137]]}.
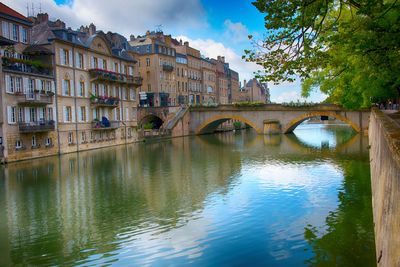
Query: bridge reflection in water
{"points": [[224, 199]]}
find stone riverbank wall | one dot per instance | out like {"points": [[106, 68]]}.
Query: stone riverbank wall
{"points": [[384, 139]]}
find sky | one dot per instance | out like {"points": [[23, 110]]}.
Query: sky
{"points": [[215, 27]]}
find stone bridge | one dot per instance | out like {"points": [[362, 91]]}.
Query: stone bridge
{"points": [[272, 118]]}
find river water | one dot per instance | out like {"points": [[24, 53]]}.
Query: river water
{"points": [[230, 199]]}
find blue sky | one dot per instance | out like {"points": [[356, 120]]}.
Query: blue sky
{"points": [[214, 27]]}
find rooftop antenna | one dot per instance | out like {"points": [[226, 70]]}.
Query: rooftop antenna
{"points": [[40, 7], [27, 8], [33, 10], [159, 28]]}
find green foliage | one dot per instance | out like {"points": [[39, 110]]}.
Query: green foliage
{"points": [[237, 124], [298, 104], [148, 126], [346, 49], [249, 104]]}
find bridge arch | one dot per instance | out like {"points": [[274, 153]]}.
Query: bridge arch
{"points": [[152, 119], [289, 127], [211, 124]]}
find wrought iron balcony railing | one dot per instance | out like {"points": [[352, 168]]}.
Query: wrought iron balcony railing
{"points": [[37, 126]]}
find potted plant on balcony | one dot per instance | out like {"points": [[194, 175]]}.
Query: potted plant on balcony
{"points": [[50, 93], [93, 98]]}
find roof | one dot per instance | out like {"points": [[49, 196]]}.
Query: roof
{"points": [[10, 13], [37, 49]]}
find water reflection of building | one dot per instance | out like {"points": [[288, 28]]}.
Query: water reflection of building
{"points": [[60, 206]]}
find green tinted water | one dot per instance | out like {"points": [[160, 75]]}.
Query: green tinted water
{"points": [[232, 199]]}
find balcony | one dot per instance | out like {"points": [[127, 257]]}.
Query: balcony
{"points": [[35, 99], [114, 77], [26, 66], [167, 67], [105, 125], [104, 101], [37, 126]]}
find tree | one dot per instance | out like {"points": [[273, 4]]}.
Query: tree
{"points": [[348, 49]]}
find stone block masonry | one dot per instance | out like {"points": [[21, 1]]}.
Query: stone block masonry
{"points": [[384, 138]]}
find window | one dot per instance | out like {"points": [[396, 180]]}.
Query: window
{"points": [[12, 84], [95, 62], [67, 114], [47, 141], [117, 114], [20, 114], [11, 115], [132, 94], [50, 114], [31, 85], [147, 62], [66, 87], [18, 144], [83, 114], [82, 88], [32, 114], [116, 67], [70, 138], [64, 57], [24, 35], [79, 61], [149, 87], [129, 132], [104, 64], [33, 141], [15, 32], [6, 29], [43, 85], [83, 137], [49, 87]]}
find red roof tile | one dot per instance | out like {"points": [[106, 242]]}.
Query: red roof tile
{"points": [[11, 12]]}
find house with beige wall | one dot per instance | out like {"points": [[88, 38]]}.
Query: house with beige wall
{"points": [[27, 97]]}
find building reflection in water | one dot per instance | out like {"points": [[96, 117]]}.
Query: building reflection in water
{"points": [[66, 210]]}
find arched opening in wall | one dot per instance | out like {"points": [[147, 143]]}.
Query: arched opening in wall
{"points": [[151, 122], [323, 131], [223, 124]]}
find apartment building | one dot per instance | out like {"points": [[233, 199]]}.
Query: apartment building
{"points": [[95, 86], [182, 78], [209, 88], [27, 124], [157, 63], [194, 70], [221, 80]]}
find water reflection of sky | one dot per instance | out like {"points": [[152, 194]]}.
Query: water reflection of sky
{"points": [[320, 136]]}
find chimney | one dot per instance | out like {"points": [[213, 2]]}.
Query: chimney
{"points": [[223, 59], [147, 33], [180, 41], [132, 37], [244, 83], [186, 43], [219, 58], [42, 17], [92, 29], [59, 24]]}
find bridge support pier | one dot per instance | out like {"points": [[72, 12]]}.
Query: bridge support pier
{"points": [[272, 127]]}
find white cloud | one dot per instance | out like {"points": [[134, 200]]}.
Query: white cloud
{"points": [[213, 49], [235, 32], [122, 16]]}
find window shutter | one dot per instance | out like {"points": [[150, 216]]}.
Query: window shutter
{"points": [[73, 114], [8, 84], [77, 59], [38, 84], [20, 33], [91, 62], [62, 57], [79, 115], [126, 114], [52, 86], [115, 114], [120, 113], [72, 84], [87, 113], [71, 63], [27, 115], [9, 115], [65, 113]]}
